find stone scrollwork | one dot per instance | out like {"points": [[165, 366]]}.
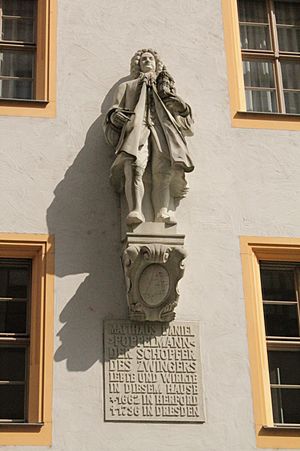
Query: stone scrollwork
{"points": [[152, 274]]}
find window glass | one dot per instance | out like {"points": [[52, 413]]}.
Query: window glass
{"points": [[285, 403], [24, 8], [13, 317], [255, 37], [290, 74], [17, 49], [281, 320], [261, 101], [284, 367], [12, 402], [252, 11], [15, 29], [15, 280], [254, 27], [289, 39], [16, 74], [278, 284], [266, 26], [287, 12], [292, 102], [16, 64], [259, 74], [288, 25], [12, 364]]}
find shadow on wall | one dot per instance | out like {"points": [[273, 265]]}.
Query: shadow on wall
{"points": [[84, 217]]}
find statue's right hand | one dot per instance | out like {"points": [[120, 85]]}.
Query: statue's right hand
{"points": [[119, 119]]}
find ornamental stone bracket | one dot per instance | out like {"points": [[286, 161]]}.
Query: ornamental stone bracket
{"points": [[153, 266]]}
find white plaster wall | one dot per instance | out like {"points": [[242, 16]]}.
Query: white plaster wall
{"points": [[54, 178]]}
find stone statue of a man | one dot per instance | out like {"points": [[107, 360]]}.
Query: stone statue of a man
{"points": [[147, 125]]}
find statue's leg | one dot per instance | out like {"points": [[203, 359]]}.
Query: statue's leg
{"points": [[128, 172], [161, 178], [134, 186]]}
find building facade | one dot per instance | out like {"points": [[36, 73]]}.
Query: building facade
{"points": [[60, 229]]}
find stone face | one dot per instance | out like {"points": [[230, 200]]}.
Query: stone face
{"points": [[153, 372]]}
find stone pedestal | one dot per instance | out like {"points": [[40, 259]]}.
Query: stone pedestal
{"points": [[153, 263]]}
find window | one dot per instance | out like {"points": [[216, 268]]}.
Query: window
{"points": [[18, 49], [280, 288], [15, 282], [271, 273], [27, 57], [270, 42], [263, 57], [26, 327]]}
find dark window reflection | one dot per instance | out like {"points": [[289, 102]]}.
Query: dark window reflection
{"points": [[284, 367], [12, 402], [286, 404], [278, 284], [281, 320], [13, 317], [12, 364], [14, 282]]}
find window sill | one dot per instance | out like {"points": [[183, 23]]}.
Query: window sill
{"points": [[27, 107], [25, 425], [25, 434], [272, 121], [277, 427]]}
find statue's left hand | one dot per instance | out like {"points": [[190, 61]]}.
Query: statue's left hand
{"points": [[175, 104]]}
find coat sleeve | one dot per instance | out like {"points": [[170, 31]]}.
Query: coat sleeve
{"points": [[111, 132], [185, 122]]}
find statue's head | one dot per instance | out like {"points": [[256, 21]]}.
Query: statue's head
{"points": [[145, 60]]}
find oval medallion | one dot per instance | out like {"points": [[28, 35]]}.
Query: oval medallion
{"points": [[154, 284]]}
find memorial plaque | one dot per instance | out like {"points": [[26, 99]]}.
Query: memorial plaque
{"points": [[152, 372]]}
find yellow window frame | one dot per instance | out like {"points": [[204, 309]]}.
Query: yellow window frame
{"points": [[253, 250], [44, 104], [240, 118], [40, 249]]}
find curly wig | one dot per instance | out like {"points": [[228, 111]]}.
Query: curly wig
{"points": [[135, 69]]}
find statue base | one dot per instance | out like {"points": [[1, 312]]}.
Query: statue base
{"points": [[153, 263]]}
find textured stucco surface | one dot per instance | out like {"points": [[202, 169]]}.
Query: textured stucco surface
{"points": [[54, 178]]}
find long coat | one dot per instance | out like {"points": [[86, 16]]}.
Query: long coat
{"points": [[131, 96]]}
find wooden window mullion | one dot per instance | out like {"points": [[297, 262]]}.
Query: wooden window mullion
{"points": [[1, 13], [297, 282], [275, 44]]}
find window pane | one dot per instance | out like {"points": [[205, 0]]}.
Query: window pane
{"points": [[255, 37], [18, 283], [23, 8], [12, 402], [13, 317], [284, 367], [252, 11], [14, 282], [16, 89], [12, 364], [262, 101], [289, 39], [278, 285], [281, 320], [290, 75], [18, 30], [286, 404], [287, 12], [259, 74], [16, 64], [292, 102]]}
